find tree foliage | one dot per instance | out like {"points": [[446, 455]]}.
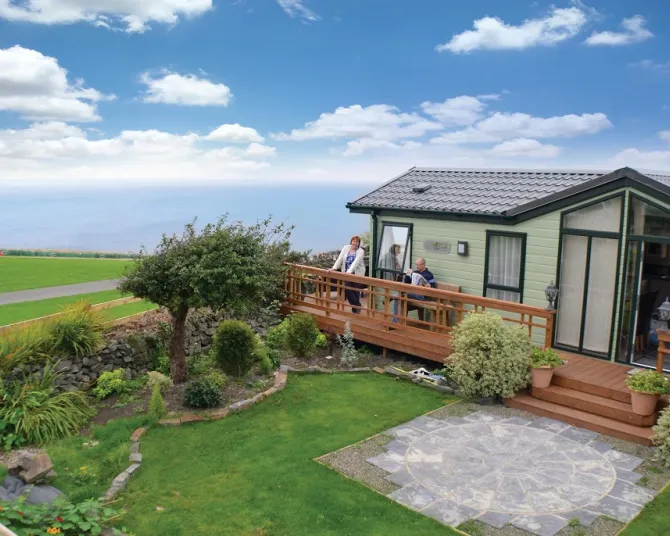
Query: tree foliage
{"points": [[225, 266]]}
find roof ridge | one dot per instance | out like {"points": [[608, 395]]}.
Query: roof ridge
{"points": [[517, 170]]}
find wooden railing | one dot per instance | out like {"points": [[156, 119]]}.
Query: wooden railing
{"points": [[324, 291], [663, 348]]}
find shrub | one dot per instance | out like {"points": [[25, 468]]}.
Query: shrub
{"points": [[648, 381], [275, 342], [544, 358], [157, 408], [265, 366], [35, 412], [111, 383], [62, 517], [202, 393], [156, 378], [218, 378], [23, 347], [234, 346], [322, 341], [301, 334], [489, 358], [662, 436], [78, 331], [200, 364], [349, 355]]}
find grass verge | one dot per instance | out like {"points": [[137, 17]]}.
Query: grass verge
{"points": [[254, 473], [654, 519], [24, 273], [127, 309]]}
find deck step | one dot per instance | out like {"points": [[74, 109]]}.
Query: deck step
{"points": [[589, 403], [590, 385], [596, 423]]}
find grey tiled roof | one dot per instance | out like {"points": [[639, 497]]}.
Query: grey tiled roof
{"points": [[493, 192]]}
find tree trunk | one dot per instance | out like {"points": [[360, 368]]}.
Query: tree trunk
{"points": [[178, 366]]}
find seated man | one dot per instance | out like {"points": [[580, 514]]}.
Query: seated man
{"points": [[422, 276]]}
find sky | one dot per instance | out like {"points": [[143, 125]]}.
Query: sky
{"points": [[97, 93]]}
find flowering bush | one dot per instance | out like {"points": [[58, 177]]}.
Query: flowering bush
{"points": [[489, 357], [156, 378], [62, 517], [662, 436], [111, 383]]}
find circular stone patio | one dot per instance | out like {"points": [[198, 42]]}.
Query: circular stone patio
{"points": [[535, 475]]}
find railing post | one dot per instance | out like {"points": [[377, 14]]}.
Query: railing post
{"points": [[548, 330]]}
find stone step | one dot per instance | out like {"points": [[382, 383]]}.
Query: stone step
{"points": [[582, 419], [589, 403]]}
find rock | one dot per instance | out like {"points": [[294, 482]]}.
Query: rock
{"points": [[6, 496], [63, 366], [128, 359], [86, 361], [13, 485], [137, 434], [135, 447], [51, 475], [22, 461], [75, 368], [108, 368], [43, 494], [131, 469], [38, 468], [135, 457]]}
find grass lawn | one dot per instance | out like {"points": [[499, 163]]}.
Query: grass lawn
{"points": [[128, 309], [253, 474], [23, 273], [18, 312], [654, 519]]}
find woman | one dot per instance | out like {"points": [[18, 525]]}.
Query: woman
{"points": [[350, 261], [390, 261]]}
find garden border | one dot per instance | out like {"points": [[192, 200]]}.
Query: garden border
{"points": [[135, 458]]}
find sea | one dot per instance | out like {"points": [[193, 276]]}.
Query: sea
{"points": [[122, 220]]}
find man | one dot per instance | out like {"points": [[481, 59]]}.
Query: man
{"points": [[427, 278]]}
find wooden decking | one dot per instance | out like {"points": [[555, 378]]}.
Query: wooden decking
{"points": [[589, 393]]}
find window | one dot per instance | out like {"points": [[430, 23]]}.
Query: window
{"points": [[647, 219], [505, 261], [602, 216], [394, 255]]}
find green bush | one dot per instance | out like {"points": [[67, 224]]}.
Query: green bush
{"points": [[33, 411], [156, 378], [321, 341], [200, 364], [78, 331], [62, 517], [234, 347], [265, 366], [24, 346], [489, 357], [649, 382], [662, 436], [202, 393], [301, 334], [547, 357], [157, 408], [218, 378], [275, 342], [111, 383]]}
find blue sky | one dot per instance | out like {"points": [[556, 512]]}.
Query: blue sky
{"points": [[323, 92]]}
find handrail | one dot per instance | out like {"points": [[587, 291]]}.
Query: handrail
{"points": [[663, 337], [447, 308]]}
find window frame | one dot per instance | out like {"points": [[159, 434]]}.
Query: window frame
{"points": [[522, 269], [629, 227], [378, 272]]}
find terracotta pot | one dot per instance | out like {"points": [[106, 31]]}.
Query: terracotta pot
{"points": [[541, 377], [643, 403]]}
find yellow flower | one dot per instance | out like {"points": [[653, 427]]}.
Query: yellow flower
{"points": [[53, 530]]}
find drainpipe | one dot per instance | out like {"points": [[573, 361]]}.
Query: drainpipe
{"points": [[373, 261]]}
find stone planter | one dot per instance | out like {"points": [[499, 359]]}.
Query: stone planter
{"points": [[643, 403], [541, 377]]}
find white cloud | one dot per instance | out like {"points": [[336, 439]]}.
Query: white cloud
{"points": [[132, 16], [378, 121], [664, 135], [642, 159], [296, 9], [459, 111], [503, 126], [185, 90], [364, 145], [235, 133], [661, 67], [491, 33], [526, 147], [257, 150], [37, 87], [634, 32]]}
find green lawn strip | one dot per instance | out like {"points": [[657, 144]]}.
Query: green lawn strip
{"points": [[654, 518], [127, 309], [18, 312], [105, 461], [23, 273], [253, 473]]}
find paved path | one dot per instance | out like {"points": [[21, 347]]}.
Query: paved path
{"points": [[535, 475], [57, 292]]}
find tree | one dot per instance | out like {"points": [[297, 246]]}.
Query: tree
{"points": [[226, 266]]}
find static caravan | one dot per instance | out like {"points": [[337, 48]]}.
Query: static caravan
{"points": [[594, 245]]}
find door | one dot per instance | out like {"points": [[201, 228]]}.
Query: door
{"points": [[587, 291]]}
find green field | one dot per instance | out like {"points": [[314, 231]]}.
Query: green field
{"points": [[24, 273], [18, 312]]}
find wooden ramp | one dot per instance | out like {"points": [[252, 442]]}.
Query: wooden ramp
{"points": [[589, 393]]}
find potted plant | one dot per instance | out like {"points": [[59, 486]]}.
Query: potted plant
{"points": [[542, 364], [646, 387]]}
